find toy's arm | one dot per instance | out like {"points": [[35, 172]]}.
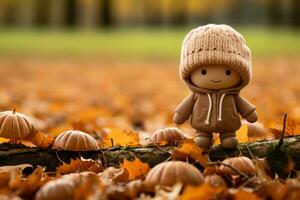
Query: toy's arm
{"points": [[246, 109], [184, 110]]}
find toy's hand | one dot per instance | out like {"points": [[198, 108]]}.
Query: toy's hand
{"points": [[252, 117], [178, 119]]}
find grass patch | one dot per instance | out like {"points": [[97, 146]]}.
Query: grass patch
{"points": [[133, 44]]}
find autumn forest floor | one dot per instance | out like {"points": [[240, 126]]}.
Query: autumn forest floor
{"points": [[120, 87], [127, 95]]}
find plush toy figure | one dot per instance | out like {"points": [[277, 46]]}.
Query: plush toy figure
{"points": [[215, 65]]}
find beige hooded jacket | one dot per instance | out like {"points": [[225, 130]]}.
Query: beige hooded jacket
{"points": [[214, 111]]}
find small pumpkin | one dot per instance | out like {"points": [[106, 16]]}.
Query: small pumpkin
{"points": [[16, 126], [170, 135], [242, 163], [73, 140], [215, 180], [63, 188], [59, 189], [172, 172]]}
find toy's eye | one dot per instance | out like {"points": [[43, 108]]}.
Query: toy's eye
{"points": [[203, 71], [228, 72]]}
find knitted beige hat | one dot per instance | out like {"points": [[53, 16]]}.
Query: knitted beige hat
{"points": [[215, 44]]}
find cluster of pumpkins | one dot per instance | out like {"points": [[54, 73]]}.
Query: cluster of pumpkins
{"points": [[17, 126], [165, 174]]}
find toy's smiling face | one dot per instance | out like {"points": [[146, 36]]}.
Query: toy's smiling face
{"points": [[215, 77]]}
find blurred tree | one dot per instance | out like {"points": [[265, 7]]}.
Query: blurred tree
{"points": [[247, 12], [295, 13], [87, 13], [57, 13], [42, 14], [105, 13], [275, 12], [70, 13], [153, 11], [173, 12], [25, 12]]}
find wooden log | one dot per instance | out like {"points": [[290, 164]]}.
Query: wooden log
{"points": [[14, 154]]}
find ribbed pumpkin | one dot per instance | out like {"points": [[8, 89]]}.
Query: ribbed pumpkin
{"points": [[73, 140], [242, 163], [59, 189], [215, 180], [63, 188], [16, 126], [172, 172], [170, 135]]}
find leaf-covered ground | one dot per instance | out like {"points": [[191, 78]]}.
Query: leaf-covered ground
{"points": [[124, 103]]}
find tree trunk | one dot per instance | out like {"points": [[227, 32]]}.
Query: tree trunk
{"points": [[19, 154], [295, 16]]}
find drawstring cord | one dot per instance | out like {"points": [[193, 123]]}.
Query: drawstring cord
{"points": [[209, 109], [220, 107], [207, 121]]}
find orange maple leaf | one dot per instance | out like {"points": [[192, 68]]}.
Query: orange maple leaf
{"points": [[80, 165], [120, 137], [190, 149], [26, 188], [243, 195], [41, 140], [136, 168], [203, 192]]}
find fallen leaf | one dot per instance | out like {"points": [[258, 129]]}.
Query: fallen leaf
{"points": [[26, 188], [274, 190], [112, 174], [80, 165], [244, 195], [86, 188], [120, 137], [189, 149], [15, 170], [242, 134], [3, 140], [136, 168], [203, 192], [41, 140]]}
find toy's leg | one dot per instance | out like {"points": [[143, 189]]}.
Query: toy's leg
{"points": [[204, 140], [228, 140]]}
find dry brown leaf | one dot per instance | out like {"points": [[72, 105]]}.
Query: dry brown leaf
{"points": [[244, 195], [274, 190], [189, 149], [136, 168], [86, 188], [112, 174], [15, 170], [80, 165], [170, 193], [4, 179], [41, 140], [26, 188], [203, 192], [133, 188], [292, 128]]}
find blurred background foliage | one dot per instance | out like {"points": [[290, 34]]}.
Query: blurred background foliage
{"points": [[141, 29], [115, 62]]}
